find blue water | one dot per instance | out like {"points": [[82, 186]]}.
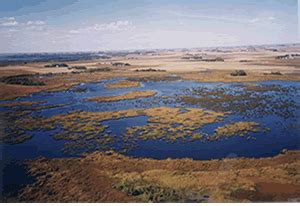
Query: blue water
{"points": [[283, 134]]}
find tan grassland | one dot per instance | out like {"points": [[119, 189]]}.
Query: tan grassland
{"points": [[258, 66]]}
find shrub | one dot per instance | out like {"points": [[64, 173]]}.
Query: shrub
{"points": [[238, 73], [22, 80]]}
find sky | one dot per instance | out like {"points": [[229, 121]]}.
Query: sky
{"points": [[99, 25]]}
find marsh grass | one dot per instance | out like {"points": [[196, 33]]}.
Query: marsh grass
{"points": [[236, 128], [125, 96], [122, 84]]}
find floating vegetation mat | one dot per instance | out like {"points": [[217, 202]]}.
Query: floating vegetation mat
{"points": [[248, 100], [85, 129], [235, 128]]}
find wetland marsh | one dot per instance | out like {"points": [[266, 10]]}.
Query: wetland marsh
{"points": [[169, 118], [159, 101], [151, 119]]}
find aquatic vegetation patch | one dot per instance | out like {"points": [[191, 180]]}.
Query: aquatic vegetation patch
{"points": [[249, 100], [89, 144], [86, 132], [19, 138], [160, 121], [235, 128], [268, 88], [122, 84], [196, 136], [17, 122], [125, 96], [11, 134], [171, 124], [74, 126], [86, 128]]}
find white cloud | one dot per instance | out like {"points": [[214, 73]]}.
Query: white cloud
{"points": [[37, 22], [74, 31], [36, 25], [241, 20], [200, 16], [271, 18], [104, 27], [113, 26], [8, 21], [254, 20], [12, 22], [263, 19]]}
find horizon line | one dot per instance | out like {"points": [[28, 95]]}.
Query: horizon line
{"points": [[133, 50]]}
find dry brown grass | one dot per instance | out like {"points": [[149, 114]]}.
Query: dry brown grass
{"points": [[110, 177]]}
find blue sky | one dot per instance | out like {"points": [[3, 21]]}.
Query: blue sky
{"points": [[86, 25]]}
